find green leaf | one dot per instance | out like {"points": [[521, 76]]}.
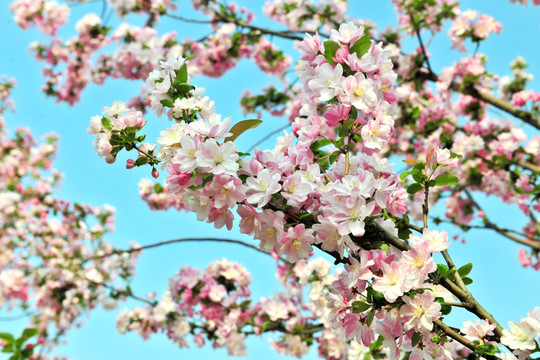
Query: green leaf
{"points": [[374, 293], [446, 180], [446, 309], [106, 122], [181, 74], [467, 280], [370, 316], [141, 161], [442, 269], [376, 344], [353, 113], [359, 307], [416, 337], [167, 102], [414, 188], [333, 156], [419, 177], [450, 274], [361, 46], [241, 127], [183, 88], [7, 337], [404, 175], [440, 300], [465, 270], [28, 333], [330, 48], [298, 329]]}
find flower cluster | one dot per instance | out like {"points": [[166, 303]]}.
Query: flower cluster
{"points": [[307, 15], [53, 251], [49, 15], [463, 27]]}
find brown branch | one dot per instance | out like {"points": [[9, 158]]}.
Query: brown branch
{"points": [[459, 338], [488, 98], [452, 266], [468, 300], [490, 225], [120, 292], [174, 241]]}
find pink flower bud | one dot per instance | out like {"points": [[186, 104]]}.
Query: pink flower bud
{"points": [[41, 340], [110, 159], [30, 346], [155, 173], [130, 164]]}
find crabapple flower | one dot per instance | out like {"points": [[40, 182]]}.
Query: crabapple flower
{"points": [[436, 241], [520, 336], [296, 243], [358, 91], [261, 188], [327, 81], [477, 330], [349, 216], [421, 310], [394, 281], [217, 159]]}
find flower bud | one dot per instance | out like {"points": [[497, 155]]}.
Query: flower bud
{"points": [[130, 164], [110, 159], [155, 173]]}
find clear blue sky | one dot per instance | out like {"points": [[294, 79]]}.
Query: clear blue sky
{"points": [[501, 284]]}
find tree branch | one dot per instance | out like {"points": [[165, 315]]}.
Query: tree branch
{"points": [[504, 232], [174, 241], [488, 98]]}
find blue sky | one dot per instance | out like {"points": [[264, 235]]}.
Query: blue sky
{"points": [[501, 284]]}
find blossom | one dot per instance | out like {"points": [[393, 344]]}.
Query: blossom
{"points": [[422, 310], [259, 189], [520, 336], [349, 216], [217, 159], [327, 81], [358, 91], [394, 281], [296, 243], [477, 330]]}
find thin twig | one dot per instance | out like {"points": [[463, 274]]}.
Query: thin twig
{"points": [[271, 134], [14, 317], [174, 241], [188, 20], [424, 52], [121, 292], [506, 233]]}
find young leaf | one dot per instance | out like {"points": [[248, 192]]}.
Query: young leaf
{"points": [[415, 339], [28, 333], [141, 161], [181, 74], [410, 161], [167, 102], [465, 269], [359, 306], [241, 127], [106, 122], [446, 180], [361, 46], [414, 188], [370, 316], [7, 337], [330, 48]]}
